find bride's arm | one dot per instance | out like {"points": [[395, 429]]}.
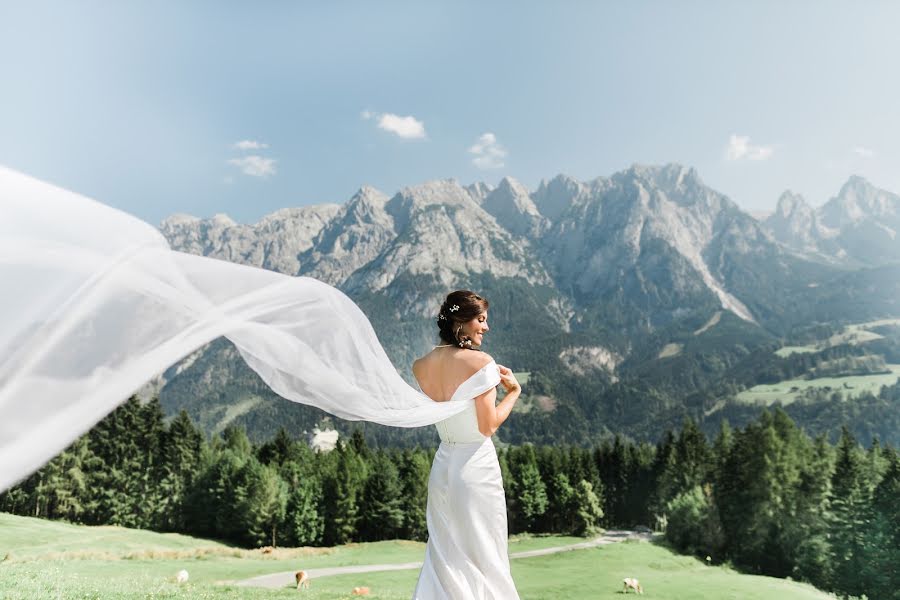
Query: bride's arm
{"points": [[490, 417]]}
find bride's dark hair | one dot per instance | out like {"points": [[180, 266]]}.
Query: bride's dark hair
{"points": [[459, 307]]}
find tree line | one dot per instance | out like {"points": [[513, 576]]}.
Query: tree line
{"points": [[766, 498]]}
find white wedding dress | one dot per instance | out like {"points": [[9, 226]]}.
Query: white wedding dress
{"points": [[466, 556]]}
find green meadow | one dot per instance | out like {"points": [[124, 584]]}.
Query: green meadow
{"points": [[45, 559], [789, 390], [857, 333]]}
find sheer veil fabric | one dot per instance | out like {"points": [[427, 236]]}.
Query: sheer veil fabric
{"points": [[95, 304]]}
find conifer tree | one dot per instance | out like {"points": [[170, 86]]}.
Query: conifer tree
{"points": [[881, 572], [850, 516], [415, 468], [181, 463], [381, 515], [560, 503], [304, 523], [261, 499], [343, 488], [529, 492]]}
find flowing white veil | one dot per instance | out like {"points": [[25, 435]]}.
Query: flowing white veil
{"points": [[95, 303]]}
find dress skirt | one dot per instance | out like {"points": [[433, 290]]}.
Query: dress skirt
{"points": [[466, 556]]}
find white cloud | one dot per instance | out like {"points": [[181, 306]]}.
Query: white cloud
{"points": [[254, 165], [405, 127], [740, 148], [249, 145], [489, 154], [863, 152]]}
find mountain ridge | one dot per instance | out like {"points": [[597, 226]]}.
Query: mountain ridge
{"points": [[619, 271]]}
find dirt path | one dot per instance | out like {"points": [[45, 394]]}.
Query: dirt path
{"points": [[286, 578]]}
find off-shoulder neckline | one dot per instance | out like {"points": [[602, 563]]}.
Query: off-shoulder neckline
{"points": [[469, 378]]}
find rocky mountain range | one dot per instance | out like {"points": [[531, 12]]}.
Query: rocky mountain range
{"points": [[588, 280], [858, 227]]}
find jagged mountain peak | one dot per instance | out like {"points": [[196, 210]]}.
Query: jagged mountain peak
{"points": [[183, 221], [670, 175], [297, 213], [365, 200], [368, 191], [790, 203], [514, 209], [177, 219], [437, 191], [553, 197], [561, 181], [859, 200], [479, 190], [794, 223], [513, 185], [858, 226], [677, 182], [223, 220]]}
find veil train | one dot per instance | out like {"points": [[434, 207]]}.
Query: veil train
{"points": [[95, 303]]}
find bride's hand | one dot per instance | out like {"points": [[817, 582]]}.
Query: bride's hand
{"points": [[508, 380]]}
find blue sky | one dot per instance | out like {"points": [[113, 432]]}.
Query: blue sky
{"points": [[144, 105]]}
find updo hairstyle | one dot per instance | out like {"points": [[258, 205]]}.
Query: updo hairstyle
{"points": [[460, 307]]}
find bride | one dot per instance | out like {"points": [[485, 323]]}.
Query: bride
{"points": [[466, 555]]}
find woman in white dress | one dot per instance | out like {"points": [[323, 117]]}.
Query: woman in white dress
{"points": [[466, 555]]}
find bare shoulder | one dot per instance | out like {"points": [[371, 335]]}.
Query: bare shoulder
{"points": [[475, 359], [418, 366]]}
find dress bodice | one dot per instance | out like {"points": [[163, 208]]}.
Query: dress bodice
{"points": [[463, 426]]}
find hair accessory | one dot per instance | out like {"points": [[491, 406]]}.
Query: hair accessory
{"points": [[454, 308], [442, 317]]}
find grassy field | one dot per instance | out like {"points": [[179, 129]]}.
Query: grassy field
{"points": [[857, 333], [790, 389], [55, 560]]}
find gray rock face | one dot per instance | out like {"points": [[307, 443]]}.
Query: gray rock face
{"points": [[512, 207], [274, 243], [553, 198], [357, 234], [858, 227], [651, 238], [794, 222], [443, 236], [609, 235], [479, 191]]}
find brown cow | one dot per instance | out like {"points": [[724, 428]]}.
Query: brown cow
{"points": [[302, 578]]}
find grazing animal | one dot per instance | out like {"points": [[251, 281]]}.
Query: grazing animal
{"points": [[302, 578], [267, 549], [182, 576], [631, 582], [360, 591]]}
